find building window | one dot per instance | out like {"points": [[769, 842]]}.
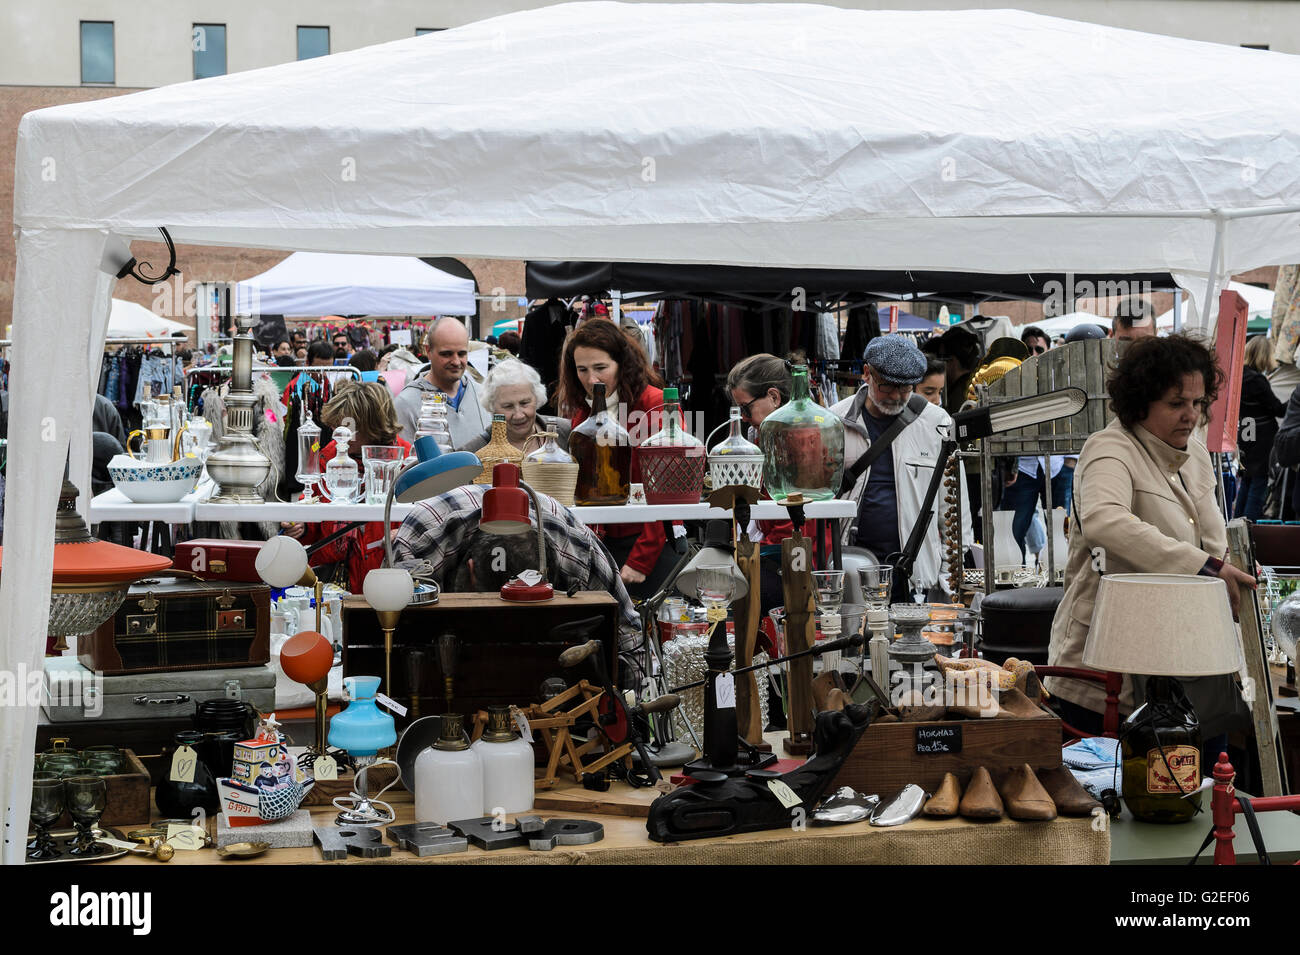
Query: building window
{"points": [[421, 31], [209, 43], [313, 42], [97, 52]]}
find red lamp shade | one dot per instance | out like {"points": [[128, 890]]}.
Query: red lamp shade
{"points": [[505, 503], [306, 657], [96, 562]]}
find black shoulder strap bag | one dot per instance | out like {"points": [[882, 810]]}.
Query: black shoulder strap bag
{"points": [[911, 411]]}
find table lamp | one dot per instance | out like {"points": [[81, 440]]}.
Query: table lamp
{"points": [[388, 590], [505, 511], [306, 658], [1166, 626], [90, 577], [282, 562], [433, 472]]}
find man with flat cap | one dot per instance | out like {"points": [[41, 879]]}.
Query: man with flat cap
{"points": [[892, 439]]}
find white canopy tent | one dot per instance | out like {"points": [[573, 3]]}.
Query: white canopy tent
{"points": [[1061, 325], [325, 283], [749, 135], [1259, 301], [129, 320]]}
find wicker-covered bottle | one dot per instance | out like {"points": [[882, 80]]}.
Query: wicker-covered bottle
{"points": [[672, 460], [550, 469], [497, 450]]}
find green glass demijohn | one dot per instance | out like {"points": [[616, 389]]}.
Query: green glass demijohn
{"points": [[803, 446]]}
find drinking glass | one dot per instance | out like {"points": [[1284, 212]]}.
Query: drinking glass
{"points": [[877, 582], [87, 797], [47, 809], [382, 462], [830, 594]]}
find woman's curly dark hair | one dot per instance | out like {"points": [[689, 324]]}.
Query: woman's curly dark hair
{"points": [[634, 371], [1151, 366]]}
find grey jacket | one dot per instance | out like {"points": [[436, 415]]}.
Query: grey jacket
{"points": [[466, 423]]}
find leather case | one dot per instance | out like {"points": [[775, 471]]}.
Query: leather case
{"points": [[182, 625], [214, 559]]}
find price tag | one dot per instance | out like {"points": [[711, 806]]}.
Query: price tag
{"points": [[525, 730], [391, 704], [325, 768], [724, 688], [784, 793], [181, 835], [183, 762]]}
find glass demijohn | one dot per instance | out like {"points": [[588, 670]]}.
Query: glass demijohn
{"points": [[803, 446], [603, 450]]}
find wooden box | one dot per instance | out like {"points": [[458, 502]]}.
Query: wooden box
{"points": [[127, 797], [891, 755], [504, 649]]}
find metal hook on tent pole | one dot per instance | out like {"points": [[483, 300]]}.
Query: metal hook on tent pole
{"points": [[131, 267]]}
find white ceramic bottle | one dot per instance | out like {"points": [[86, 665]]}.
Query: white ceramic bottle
{"points": [[507, 765], [449, 777]]}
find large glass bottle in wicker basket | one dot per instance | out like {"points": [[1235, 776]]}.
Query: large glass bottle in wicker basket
{"points": [[672, 459], [803, 446], [603, 450]]}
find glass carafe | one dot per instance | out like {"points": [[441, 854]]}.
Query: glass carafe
{"points": [[603, 450], [734, 459], [342, 476], [803, 446]]}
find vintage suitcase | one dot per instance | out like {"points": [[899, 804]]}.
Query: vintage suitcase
{"points": [[219, 559], [75, 694], [165, 625]]}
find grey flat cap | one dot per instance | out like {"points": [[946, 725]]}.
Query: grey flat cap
{"points": [[896, 358]]}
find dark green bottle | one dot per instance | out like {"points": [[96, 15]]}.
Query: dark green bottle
{"points": [[1162, 755]]}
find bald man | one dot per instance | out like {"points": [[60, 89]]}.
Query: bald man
{"points": [[446, 345]]}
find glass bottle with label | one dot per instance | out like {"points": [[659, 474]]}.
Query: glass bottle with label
{"points": [[603, 450], [803, 446], [1162, 755]]}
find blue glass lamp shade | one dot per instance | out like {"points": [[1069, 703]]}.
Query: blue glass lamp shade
{"points": [[362, 729]]}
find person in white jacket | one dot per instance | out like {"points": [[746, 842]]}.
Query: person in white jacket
{"points": [[891, 492]]}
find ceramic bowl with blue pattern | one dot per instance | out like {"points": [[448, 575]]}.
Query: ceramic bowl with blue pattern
{"points": [[145, 483]]}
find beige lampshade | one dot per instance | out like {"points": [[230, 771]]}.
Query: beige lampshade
{"points": [[1163, 625]]}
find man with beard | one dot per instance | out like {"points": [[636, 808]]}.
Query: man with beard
{"points": [[891, 490]]}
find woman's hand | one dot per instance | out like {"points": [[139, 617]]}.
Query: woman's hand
{"points": [[1235, 579], [631, 575], [292, 530]]}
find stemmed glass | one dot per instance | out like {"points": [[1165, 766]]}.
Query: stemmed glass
{"points": [[47, 809], [877, 582], [830, 595], [87, 796]]}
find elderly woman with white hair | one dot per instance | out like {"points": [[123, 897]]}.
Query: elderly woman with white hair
{"points": [[515, 390]]}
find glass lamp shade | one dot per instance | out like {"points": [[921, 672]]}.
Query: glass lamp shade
{"points": [[713, 568], [306, 657], [436, 472], [282, 562], [388, 588], [505, 504], [362, 729], [1163, 624]]}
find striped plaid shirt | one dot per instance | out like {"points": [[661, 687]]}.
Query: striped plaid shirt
{"points": [[437, 529]]}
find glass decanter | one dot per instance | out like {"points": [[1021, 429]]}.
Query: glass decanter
{"points": [[342, 476], [433, 419], [734, 459], [308, 472], [603, 450], [672, 459], [803, 446]]}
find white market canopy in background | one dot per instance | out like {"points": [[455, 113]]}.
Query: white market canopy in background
{"points": [[1062, 325], [322, 283], [1258, 300], [760, 135], [129, 320]]}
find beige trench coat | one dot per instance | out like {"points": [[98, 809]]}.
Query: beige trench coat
{"points": [[1140, 506]]}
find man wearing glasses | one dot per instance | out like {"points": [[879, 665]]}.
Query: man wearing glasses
{"points": [[891, 491], [342, 345], [1035, 340]]}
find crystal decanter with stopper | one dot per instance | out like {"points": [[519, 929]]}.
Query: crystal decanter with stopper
{"points": [[603, 450], [342, 476], [308, 472]]}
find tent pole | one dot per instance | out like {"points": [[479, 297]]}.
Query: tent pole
{"points": [[1215, 256]]}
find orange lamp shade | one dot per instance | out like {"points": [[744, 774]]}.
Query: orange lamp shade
{"points": [[95, 561], [306, 657]]}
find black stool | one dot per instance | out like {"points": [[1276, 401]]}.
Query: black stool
{"points": [[1018, 623]]}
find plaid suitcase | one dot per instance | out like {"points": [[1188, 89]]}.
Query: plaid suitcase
{"points": [[182, 625]]}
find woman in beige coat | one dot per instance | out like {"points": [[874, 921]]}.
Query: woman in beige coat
{"points": [[1144, 502]]}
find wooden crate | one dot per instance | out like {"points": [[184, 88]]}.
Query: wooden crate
{"points": [[891, 755], [127, 797]]}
